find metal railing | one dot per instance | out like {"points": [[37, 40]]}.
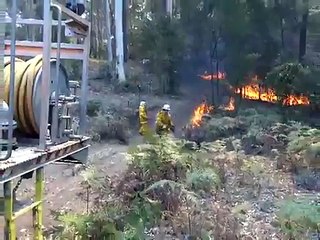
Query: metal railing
{"points": [[12, 81], [55, 110], [60, 50]]}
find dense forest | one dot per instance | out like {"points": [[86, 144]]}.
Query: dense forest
{"points": [[250, 37], [244, 170]]}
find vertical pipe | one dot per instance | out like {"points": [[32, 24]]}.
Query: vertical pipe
{"points": [[84, 84], [2, 36], [55, 112], [10, 228], [38, 210], [45, 74], [12, 78], [2, 83]]}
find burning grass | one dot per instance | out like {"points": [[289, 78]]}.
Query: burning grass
{"points": [[199, 112], [256, 91], [259, 93], [204, 109]]}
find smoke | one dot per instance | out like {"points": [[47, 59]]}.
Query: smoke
{"points": [[198, 89]]}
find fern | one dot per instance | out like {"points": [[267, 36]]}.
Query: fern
{"points": [[84, 226], [160, 159], [299, 217], [153, 185]]}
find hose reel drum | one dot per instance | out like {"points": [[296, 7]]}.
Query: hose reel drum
{"points": [[28, 97]]}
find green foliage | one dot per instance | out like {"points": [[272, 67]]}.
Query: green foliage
{"points": [[258, 119], [197, 22], [299, 217], [301, 138], [73, 69], [250, 45], [99, 225], [161, 42], [86, 226], [154, 186], [221, 127], [165, 158], [109, 219], [303, 146], [255, 168], [205, 180], [250, 122], [94, 107], [287, 79]]}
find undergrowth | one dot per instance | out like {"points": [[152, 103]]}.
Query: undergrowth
{"points": [[299, 218], [175, 188], [160, 186]]}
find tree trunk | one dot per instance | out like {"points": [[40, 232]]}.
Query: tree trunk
{"points": [[303, 31], [119, 40], [125, 29], [108, 23], [93, 47], [169, 4]]}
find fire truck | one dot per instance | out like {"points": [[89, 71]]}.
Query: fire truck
{"points": [[42, 111]]}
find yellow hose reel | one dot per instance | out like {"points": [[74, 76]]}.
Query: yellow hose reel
{"points": [[27, 92]]}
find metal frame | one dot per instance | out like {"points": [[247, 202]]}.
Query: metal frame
{"points": [[12, 80], [24, 161]]}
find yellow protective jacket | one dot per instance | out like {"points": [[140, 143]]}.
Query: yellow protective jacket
{"points": [[164, 122], [143, 120]]}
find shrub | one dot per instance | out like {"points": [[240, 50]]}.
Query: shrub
{"points": [[254, 118], [106, 127], [94, 107], [220, 128], [205, 180], [299, 217], [163, 158], [301, 138], [152, 192]]}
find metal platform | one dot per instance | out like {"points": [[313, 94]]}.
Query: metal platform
{"points": [[32, 49], [27, 159]]}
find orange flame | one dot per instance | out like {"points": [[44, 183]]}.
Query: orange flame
{"points": [[209, 77], [231, 105], [296, 100], [256, 92], [199, 112]]}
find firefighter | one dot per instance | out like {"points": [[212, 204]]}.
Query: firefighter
{"points": [[164, 122], [143, 118]]}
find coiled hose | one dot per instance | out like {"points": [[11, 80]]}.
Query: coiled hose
{"points": [[25, 76]]}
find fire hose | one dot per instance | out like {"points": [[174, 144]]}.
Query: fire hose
{"points": [[25, 83]]}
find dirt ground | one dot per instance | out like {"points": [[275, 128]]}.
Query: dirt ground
{"points": [[63, 181]]}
